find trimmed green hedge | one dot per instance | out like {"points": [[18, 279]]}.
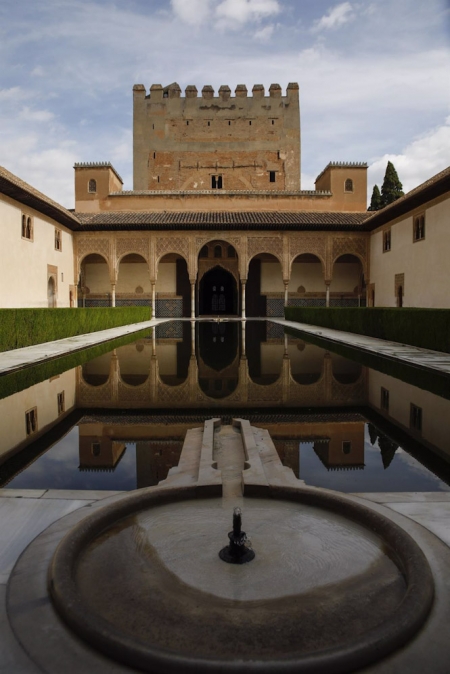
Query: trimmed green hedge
{"points": [[25, 327], [426, 328]]}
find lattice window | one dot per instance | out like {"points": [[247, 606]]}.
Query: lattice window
{"points": [[419, 228], [58, 239], [31, 421], [27, 227], [92, 186], [349, 185], [386, 240]]}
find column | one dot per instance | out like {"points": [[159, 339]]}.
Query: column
{"points": [[153, 299], [192, 299], [113, 294], [243, 299], [243, 354], [193, 338], [286, 293], [327, 284]]}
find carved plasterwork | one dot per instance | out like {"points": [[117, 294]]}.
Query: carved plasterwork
{"points": [[172, 244], [90, 245], [311, 244], [128, 246], [349, 245], [265, 244]]}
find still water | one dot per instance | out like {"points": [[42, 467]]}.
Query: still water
{"points": [[118, 420]]}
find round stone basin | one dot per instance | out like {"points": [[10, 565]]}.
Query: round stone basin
{"points": [[334, 586]]}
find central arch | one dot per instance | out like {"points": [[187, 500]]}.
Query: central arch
{"points": [[218, 293]]}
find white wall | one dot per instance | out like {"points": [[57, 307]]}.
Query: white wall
{"points": [[425, 263], [44, 397], [132, 275], [23, 263], [167, 278]]}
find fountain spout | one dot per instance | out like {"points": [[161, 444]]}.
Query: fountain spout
{"points": [[237, 552]]}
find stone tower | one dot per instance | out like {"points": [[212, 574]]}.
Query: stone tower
{"points": [[213, 142]]}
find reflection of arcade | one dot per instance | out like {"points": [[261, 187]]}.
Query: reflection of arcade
{"points": [[231, 369]]}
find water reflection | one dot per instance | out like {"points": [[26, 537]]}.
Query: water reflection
{"points": [[138, 401]]}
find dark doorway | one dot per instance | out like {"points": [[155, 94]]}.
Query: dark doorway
{"points": [[218, 293]]}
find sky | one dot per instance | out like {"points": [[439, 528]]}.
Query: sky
{"points": [[374, 78]]}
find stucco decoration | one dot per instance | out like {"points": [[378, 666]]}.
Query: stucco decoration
{"points": [[172, 244], [129, 246], [91, 245], [265, 244], [312, 245], [350, 246]]}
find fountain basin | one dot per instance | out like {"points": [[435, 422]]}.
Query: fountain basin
{"points": [[334, 585]]}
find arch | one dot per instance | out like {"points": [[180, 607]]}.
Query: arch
{"points": [[96, 372], [345, 371], [348, 185], [92, 186], [173, 288], [133, 280], [95, 280], [24, 226], [210, 245], [51, 292], [218, 358], [134, 364], [306, 363], [307, 280], [307, 254], [218, 251], [218, 292], [265, 286], [347, 287]]}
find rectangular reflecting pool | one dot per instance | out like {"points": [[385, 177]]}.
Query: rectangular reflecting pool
{"points": [[115, 418]]}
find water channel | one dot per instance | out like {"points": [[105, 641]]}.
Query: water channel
{"points": [[115, 418]]}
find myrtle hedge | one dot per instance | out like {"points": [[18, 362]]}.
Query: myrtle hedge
{"points": [[25, 327], [426, 328]]}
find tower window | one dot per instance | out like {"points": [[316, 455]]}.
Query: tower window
{"points": [[349, 185], [273, 122], [216, 182], [209, 123], [272, 176], [92, 186], [250, 122], [154, 155], [229, 122]]}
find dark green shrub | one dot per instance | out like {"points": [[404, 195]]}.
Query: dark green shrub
{"points": [[25, 327], [426, 328]]}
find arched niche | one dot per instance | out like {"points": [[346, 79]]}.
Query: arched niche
{"points": [[347, 286], [345, 371], [306, 362], [95, 285], [218, 358], [265, 287], [97, 371], [218, 293], [307, 282], [133, 280], [51, 292], [173, 287], [134, 362]]}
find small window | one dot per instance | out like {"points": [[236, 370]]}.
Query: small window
{"points": [[384, 401], [272, 176], [216, 182], [346, 447], [386, 240], [349, 185], [229, 122], [209, 123], [158, 178], [415, 418], [187, 122], [27, 228], [92, 186], [58, 239], [61, 403], [31, 421], [154, 155], [95, 449], [231, 252], [217, 251], [419, 228], [204, 251], [166, 94], [250, 122]]}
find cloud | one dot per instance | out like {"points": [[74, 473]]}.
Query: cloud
{"points": [[335, 18], [193, 12], [235, 13], [420, 160], [30, 115], [264, 34]]}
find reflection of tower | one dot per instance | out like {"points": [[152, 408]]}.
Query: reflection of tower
{"points": [[343, 446], [99, 453], [154, 458], [289, 452]]}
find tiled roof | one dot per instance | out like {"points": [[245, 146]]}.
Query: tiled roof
{"points": [[225, 220], [430, 189], [19, 190], [97, 164]]}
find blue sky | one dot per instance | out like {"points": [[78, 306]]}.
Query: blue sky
{"points": [[374, 78]]}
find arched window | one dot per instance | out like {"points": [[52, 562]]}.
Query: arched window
{"points": [[92, 186], [24, 226], [349, 185], [204, 251], [419, 228], [29, 230], [231, 252], [217, 251]]}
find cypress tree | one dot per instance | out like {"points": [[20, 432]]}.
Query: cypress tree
{"points": [[375, 202], [392, 188]]}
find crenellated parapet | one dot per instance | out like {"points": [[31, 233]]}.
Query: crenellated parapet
{"points": [[157, 92]]}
